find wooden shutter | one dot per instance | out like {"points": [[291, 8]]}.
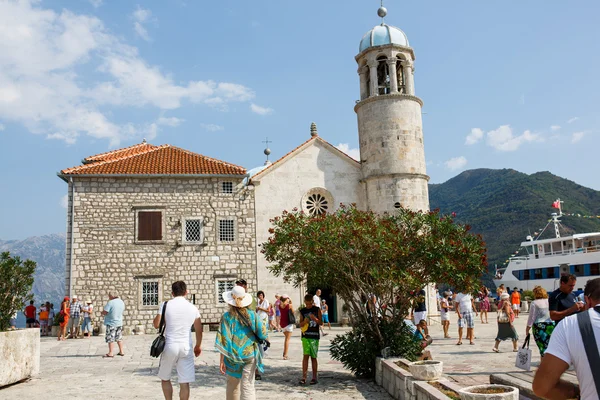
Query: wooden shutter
{"points": [[149, 225]]}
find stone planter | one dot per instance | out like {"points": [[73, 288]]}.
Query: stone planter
{"points": [[55, 330], [19, 355], [478, 392], [525, 306], [426, 370], [345, 321]]}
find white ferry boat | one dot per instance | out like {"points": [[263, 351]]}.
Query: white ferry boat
{"points": [[548, 259]]}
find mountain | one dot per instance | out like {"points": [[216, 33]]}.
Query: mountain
{"points": [[505, 206], [49, 253]]}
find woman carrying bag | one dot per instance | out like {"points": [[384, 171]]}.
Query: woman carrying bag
{"points": [[287, 322], [539, 319], [506, 330], [237, 341]]}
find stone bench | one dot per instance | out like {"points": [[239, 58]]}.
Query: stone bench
{"points": [[524, 380]]}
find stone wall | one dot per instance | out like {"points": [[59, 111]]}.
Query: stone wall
{"points": [[19, 355], [108, 258], [285, 187]]}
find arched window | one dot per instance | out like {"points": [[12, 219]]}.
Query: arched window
{"points": [[400, 74], [383, 76]]}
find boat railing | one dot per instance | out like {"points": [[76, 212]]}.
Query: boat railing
{"points": [[566, 252]]}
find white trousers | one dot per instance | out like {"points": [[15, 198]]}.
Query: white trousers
{"points": [[242, 389]]}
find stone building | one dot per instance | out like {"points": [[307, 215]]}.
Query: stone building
{"points": [[146, 190], [317, 177], [142, 217]]}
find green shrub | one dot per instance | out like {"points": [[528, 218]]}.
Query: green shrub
{"points": [[358, 353], [16, 280], [527, 294]]}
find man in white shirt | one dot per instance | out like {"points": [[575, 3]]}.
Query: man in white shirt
{"points": [[465, 304], [179, 317], [317, 302], [566, 347]]}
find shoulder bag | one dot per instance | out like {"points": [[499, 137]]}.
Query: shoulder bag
{"points": [[590, 345], [523, 360], [158, 345], [263, 345], [291, 317]]}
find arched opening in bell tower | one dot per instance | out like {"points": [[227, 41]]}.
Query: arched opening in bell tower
{"points": [[383, 76], [400, 75]]}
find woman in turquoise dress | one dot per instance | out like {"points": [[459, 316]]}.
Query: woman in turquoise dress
{"points": [[539, 319], [237, 341]]}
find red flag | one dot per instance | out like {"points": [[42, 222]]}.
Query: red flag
{"points": [[556, 204]]}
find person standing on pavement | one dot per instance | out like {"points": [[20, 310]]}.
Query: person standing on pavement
{"points": [[86, 325], [310, 321], [64, 316], [317, 303], [484, 303], [420, 311], [445, 313], [285, 307], [506, 329], [180, 315], [30, 313], [50, 308], [325, 313], [465, 304], [43, 316], [539, 319], [277, 313], [562, 302], [237, 341], [567, 347], [74, 318], [262, 307], [515, 299], [113, 319]]}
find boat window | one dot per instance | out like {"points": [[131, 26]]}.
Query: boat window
{"points": [[578, 270], [516, 274], [526, 274], [552, 272], [595, 269], [538, 273]]}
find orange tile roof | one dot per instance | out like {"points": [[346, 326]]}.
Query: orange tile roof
{"points": [[313, 138], [127, 151], [153, 160]]}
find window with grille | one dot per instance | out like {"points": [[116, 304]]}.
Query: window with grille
{"points": [[149, 225], [226, 187], [317, 204], [193, 230], [222, 287], [149, 293], [226, 230]]}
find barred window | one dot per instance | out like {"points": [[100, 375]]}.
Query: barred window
{"points": [[226, 187], [193, 230], [222, 287], [226, 230], [150, 293]]}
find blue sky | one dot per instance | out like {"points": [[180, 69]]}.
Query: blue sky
{"points": [[508, 84]]}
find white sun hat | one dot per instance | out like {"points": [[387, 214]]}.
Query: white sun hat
{"points": [[504, 295], [237, 297]]}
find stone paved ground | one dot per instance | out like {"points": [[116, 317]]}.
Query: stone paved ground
{"points": [[75, 369]]}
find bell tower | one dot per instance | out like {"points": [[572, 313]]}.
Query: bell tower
{"points": [[390, 126]]}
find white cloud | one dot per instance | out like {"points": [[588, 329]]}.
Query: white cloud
{"points": [[577, 136], [475, 136], [141, 16], [64, 201], [170, 121], [555, 128], [212, 127], [354, 153], [260, 110], [456, 163], [2, 127], [41, 85], [96, 3], [503, 139], [570, 121]]}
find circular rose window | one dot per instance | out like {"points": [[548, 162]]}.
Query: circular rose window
{"points": [[317, 201]]}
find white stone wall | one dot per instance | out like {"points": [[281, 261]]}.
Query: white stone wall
{"points": [[283, 187], [107, 258], [392, 152]]}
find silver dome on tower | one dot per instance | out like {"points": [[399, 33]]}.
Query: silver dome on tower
{"points": [[383, 34]]}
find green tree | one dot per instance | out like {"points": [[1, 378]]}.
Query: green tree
{"points": [[16, 279], [360, 254]]}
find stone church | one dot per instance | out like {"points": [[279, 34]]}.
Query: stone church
{"points": [[144, 216]]}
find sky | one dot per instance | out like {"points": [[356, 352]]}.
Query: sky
{"points": [[505, 84]]}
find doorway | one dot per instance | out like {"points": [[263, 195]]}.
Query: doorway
{"points": [[328, 295]]}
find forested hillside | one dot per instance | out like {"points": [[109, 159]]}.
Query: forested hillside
{"points": [[506, 205]]}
